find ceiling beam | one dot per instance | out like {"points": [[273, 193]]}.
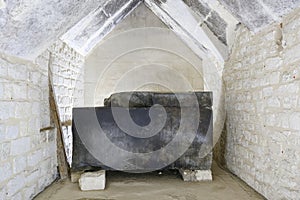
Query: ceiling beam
{"points": [[89, 31], [178, 17]]}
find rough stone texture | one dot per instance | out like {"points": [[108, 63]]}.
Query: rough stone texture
{"points": [[148, 99], [67, 74], [262, 81], [37, 25], [196, 175], [281, 7], [210, 17], [250, 13], [75, 176], [218, 26], [87, 33], [196, 156], [27, 156], [257, 14], [92, 181], [176, 14]]}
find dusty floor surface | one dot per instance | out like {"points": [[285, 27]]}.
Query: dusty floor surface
{"points": [[152, 186]]}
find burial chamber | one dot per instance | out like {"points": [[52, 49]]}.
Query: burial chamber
{"points": [[144, 131]]}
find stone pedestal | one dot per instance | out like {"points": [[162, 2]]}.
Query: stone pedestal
{"points": [[92, 181]]}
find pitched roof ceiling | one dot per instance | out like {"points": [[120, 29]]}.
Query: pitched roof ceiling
{"points": [[29, 27]]}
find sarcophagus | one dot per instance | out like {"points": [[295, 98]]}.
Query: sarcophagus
{"points": [[145, 131]]}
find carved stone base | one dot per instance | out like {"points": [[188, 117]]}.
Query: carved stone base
{"points": [[196, 175]]}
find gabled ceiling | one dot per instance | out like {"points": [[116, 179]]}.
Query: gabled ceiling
{"points": [[28, 27]]}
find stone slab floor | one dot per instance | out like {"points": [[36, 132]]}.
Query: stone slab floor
{"points": [[153, 186]]}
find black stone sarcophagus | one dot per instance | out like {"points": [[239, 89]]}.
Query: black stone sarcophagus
{"points": [[104, 137]]}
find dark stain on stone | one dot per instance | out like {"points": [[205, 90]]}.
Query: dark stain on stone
{"points": [[198, 7], [214, 22], [159, 2], [218, 26]]}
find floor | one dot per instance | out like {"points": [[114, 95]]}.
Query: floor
{"points": [[155, 186]]}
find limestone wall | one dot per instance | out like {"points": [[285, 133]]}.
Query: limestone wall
{"points": [[27, 155], [262, 81], [67, 77], [28, 160]]}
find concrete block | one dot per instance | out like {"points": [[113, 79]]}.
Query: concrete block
{"points": [[196, 175], [92, 181]]}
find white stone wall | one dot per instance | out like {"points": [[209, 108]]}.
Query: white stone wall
{"points": [[140, 49], [27, 155], [28, 160], [262, 81], [67, 78]]}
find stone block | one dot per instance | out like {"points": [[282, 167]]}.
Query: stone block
{"points": [[19, 164], [92, 181], [20, 146], [35, 158], [4, 151], [196, 175], [5, 171], [12, 132], [15, 184]]}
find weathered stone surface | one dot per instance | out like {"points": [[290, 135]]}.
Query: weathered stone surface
{"points": [[250, 13], [196, 175], [197, 156], [90, 30], [211, 18], [75, 176], [127, 99], [281, 7], [36, 25], [198, 6], [258, 14], [148, 99], [218, 26], [27, 155], [92, 181], [176, 14], [263, 108], [67, 68]]}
